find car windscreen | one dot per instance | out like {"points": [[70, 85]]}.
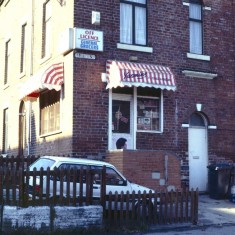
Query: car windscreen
{"points": [[42, 162]]}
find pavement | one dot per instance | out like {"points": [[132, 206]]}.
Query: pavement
{"points": [[211, 212]]}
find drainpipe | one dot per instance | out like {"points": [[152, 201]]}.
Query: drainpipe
{"points": [[29, 108], [166, 170], [32, 37], [29, 104]]}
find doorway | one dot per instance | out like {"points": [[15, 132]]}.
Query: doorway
{"points": [[122, 119], [198, 152]]}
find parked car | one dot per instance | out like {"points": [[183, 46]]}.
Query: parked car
{"points": [[115, 181]]}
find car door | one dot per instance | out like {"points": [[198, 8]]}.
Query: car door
{"points": [[114, 182], [69, 188]]}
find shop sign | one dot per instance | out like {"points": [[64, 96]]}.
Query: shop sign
{"points": [[88, 39]]}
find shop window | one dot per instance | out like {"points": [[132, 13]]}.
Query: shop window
{"points": [[148, 109], [195, 24], [133, 22], [49, 111]]}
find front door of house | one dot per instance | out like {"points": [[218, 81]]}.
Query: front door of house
{"points": [[122, 119], [198, 156]]}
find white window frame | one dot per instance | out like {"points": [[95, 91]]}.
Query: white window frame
{"points": [[134, 5], [47, 29], [23, 48], [7, 61], [134, 111], [160, 114], [60, 122], [199, 22]]}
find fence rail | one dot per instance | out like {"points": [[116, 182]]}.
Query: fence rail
{"points": [[153, 207], [74, 187], [18, 162]]}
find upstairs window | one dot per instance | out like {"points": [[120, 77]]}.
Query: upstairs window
{"points": [[23, 48], [50, 111], [7, 60], [195, 24], [46, 30], [133, 22]]}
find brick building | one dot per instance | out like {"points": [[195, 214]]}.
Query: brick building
{"points": [[78, 75]]}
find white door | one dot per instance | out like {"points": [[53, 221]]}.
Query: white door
{"points": [[122, 120], [198, 158]]}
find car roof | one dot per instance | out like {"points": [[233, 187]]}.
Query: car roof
{"points": [[59, 159]]}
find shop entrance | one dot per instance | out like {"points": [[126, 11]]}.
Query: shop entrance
{"points": [[122, 119]]}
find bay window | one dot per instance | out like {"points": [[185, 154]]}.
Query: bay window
{"points": [[49, 111]]}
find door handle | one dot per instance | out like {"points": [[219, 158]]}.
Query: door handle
{"points": [[195, 157]]}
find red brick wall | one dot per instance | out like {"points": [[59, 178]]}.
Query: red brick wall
{"points": [[169, 37], [138, 166]]}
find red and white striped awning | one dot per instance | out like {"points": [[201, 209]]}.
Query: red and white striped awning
{"points": [[52, 78], [121, 73]]}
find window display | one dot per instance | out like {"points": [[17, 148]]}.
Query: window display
{"points": [[148, 114]]}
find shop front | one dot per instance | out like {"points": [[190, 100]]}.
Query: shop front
{"points": [[136, 99]]}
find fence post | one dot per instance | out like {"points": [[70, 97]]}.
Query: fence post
{"points": [[89, 186], [1, 185], [195, 213], [21, 188], [103, 188]]}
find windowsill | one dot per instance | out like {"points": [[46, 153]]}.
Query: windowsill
{"points": [[134, 48], [150, 132], [44, 59], [6, 86], [195, 74], [7, 2], [21, 75], [198, 57], [51, 133], [186, 3]]}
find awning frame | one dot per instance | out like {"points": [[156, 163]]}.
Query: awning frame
{"points": [[51, 78], [123, 73]]}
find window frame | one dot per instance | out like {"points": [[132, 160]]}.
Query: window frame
{"points": [[149, 119], [194, 20], [116, 94], [7, 61], [46, 29], [23, 48], [134, 5], [153, 97], [5, 137], [51, 114]]}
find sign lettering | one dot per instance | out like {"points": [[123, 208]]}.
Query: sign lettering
{"points": [[89, 39], [138, 75]]}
